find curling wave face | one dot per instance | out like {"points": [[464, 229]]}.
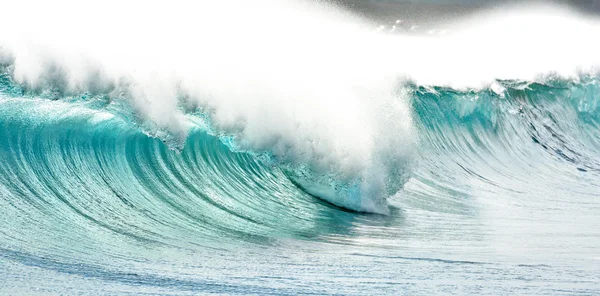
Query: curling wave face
{"points": [[80, 177]]}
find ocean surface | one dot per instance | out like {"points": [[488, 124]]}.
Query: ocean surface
{"points": [[297, 149]]}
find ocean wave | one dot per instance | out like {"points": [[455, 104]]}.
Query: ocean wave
{"points": [[289, 86]]}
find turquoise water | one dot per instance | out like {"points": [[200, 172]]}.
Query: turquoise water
{"points": [[501, 196]]}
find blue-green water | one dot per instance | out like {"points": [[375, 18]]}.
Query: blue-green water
{"points": [[501, 196], [286, 147]]}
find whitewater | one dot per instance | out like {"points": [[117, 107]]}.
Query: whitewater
{"points": [[296, 147]]}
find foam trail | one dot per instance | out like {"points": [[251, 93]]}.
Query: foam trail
{"points": [[309, 84]]}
